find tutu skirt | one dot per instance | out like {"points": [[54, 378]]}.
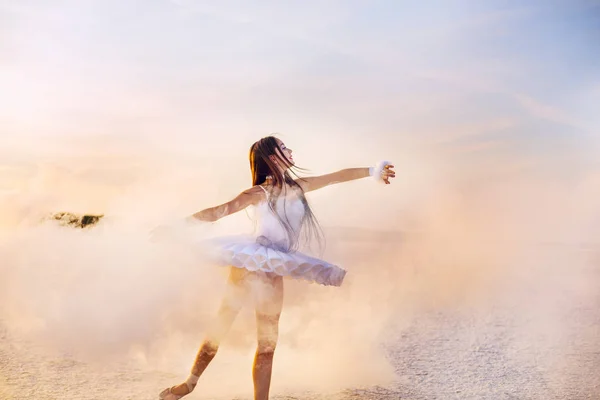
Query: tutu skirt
{"points": [[259, 254]]}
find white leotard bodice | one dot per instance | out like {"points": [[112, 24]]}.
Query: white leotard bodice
{"points": [[289, 207], [271, 252]]}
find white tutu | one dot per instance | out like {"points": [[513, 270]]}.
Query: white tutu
{"points": [[255, 255], [268, 250]]}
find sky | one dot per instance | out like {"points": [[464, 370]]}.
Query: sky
{"points": [[108, 93]]}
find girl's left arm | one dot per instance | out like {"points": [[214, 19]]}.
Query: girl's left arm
{"points": [[383, 172]]}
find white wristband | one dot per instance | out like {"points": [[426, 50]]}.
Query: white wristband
{"points": [[376, 171]]}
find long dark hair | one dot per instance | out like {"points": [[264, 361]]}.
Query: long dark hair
{"points": [[261, 167]]}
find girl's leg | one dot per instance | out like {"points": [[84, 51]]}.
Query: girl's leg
{"points": [[231, 305], [268, 294]]}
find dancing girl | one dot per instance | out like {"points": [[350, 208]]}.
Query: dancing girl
{"points": [[257, 267]]}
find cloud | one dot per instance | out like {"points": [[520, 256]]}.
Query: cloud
{"points": [[476, 147], [540, 110], [473, 130]]}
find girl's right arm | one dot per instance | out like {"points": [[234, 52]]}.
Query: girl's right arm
{"points": [[248, 197]]}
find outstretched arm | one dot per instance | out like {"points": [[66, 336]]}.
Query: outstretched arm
{"points": [[317, 182], [248, 197]]}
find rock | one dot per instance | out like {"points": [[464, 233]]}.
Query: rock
{"points": [[75, 220]]}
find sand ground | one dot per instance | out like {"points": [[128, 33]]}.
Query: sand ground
{"points": [[539, 340]]}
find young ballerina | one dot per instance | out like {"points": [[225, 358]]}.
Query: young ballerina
{"points": [[258, 267]]}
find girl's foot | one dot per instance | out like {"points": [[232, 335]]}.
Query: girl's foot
{"points": [[175, 392]]}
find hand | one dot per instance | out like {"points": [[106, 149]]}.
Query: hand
{"points": [[387, 173]]}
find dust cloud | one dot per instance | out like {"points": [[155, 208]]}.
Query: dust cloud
{"points": [[109, 294]]}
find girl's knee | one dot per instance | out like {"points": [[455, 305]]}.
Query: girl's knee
{"points": [[210, 348], [267, 346]]}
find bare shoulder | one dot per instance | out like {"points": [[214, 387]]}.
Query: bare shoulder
{"points": [[254, 195]]}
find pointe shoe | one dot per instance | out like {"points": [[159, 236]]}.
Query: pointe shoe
{"points": [[168, 395]]}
